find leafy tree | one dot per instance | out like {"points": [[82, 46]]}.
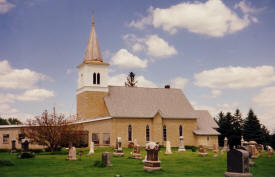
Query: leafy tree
{"points": [[272, 140], [131, 82], [252, 130], [3, 121], [52, 131]]}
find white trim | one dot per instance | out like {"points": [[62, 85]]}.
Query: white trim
{"points": [[12, 126], [92, 88], [91, 120]]}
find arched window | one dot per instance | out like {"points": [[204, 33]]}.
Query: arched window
{"points": [[164, 133], [130, 133], [180, 130], [98, 78], [147, 133], [94, 78]]}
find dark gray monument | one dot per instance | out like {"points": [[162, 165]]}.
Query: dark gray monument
{"points": [[25, 146], [13, 146], [237, 163]]}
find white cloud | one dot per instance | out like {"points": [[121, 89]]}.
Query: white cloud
{"points": [[266, 98], [119, 80], [4, 108], [212, 18], [6, 98], [35, 95], [214, 110], [18, 78], [245, 8], [214, 93], [5, 6], [158, 47], [125, 59], [179, 82], [154, 45], [235, 77]]}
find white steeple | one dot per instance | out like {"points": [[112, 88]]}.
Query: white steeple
{"points": [[93, 72]]}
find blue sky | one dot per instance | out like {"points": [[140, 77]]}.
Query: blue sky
{"points": [[221, 53]]}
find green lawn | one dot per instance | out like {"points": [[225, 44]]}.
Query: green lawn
{"points": [[178, 164]]}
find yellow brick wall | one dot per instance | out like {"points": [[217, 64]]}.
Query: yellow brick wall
{"points": [[99, 127], [202, 140], [91, 104], [120, 129], [13, 135]]}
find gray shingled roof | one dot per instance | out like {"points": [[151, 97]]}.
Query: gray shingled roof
{"points": [[142, 102], [139, 102], [205, 123]]}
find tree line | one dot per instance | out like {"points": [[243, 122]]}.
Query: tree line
{"points": [[234, 126], [9, 121]]}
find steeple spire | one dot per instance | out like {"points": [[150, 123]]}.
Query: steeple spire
{"points": [[92, 51]]}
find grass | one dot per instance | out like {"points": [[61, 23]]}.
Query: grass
{"points": [[187, 164]]}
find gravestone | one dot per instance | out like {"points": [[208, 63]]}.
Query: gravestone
{"points": [[237, 163], [181, 145], [249, 150], [255, 153], [136, 152], [25, 145], [270, 151], [225, 144], [151, 163], [91, 148], [215, 150], [72, 153], [118, 149], [13, 146], [168, 148], [202, 151], [106, 159]]}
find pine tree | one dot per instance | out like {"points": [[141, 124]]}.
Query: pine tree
{"points": [[252, 128], [237, 125], [131, 82]]}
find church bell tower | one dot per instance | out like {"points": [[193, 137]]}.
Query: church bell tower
{"points": [[92, 81]]}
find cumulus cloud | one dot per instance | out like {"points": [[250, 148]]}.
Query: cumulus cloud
{"points": [[35, 95], [6, 98], [214, 110], [18, 78], [235, 77], [214, 93], [245, 8], [154, 45], [125, 59], [119, 80], [179, 82], [5, 6], [212, 18]]}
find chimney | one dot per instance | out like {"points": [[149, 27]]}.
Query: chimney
{"points": [[167, 86]]}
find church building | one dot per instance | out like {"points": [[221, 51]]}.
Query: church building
{"points": [[135, 113]]}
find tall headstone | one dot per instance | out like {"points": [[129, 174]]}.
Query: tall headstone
{"points": [[202, 151], [225, 144], [181, 145], [249, 150], [118, 149], [168, 148], [237, 163], [72, 153], [91, 148], [13, 146], [270, 151], [151, 163], [106, 159]]}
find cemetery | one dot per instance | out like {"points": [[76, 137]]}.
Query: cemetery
{"points": [[81, 162]]}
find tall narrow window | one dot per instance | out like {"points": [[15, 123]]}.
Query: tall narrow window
{"points": [[6, 138], [98, 78], [94, 78], [147, 133], [180, 130], [164, 133], [129, 133], [95, 138]]}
